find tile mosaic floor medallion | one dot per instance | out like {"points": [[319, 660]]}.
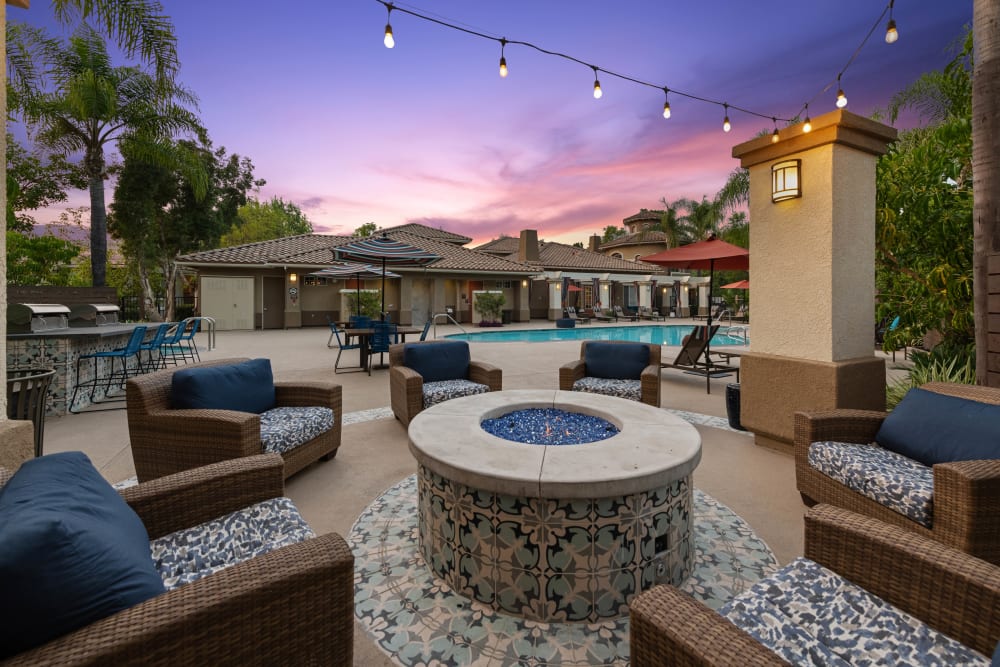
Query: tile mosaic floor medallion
{"points": [[416, 619]]}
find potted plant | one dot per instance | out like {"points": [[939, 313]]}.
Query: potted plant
{"points": [[490, 305]]}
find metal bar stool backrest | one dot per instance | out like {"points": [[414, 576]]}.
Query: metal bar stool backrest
{"points": [[135, 341], [427, 326], [27, 397]]}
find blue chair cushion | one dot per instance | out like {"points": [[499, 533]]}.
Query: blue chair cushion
{"points": [[934, 428], [616, 361], [245, 387], [810, 615], [440, 360], [284, 429], [71, 552], [196, 552], [890, 479]]}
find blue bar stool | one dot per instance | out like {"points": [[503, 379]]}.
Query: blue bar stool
{"points": [[115, 375]]}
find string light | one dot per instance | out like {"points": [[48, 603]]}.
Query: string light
{"points": [[388, 41], [891, 34], [841, 97], [774, 135], [807, 126]]}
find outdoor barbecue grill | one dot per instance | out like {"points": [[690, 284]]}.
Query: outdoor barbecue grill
{"points": [[36, 317], [93, 314]]}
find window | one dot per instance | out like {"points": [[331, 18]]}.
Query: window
{"points": [[504, 284], [617, 255]]}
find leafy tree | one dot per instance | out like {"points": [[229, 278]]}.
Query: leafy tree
{"points": [[93, 104], [158, 213], [39, 260], [611, 232], [671, 223], [367, 229], [490, 305], [924, 240], [736, 191], [264, 221], [702, 218], [35, 182], [371, 303]]}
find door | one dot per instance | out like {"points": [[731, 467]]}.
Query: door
{"points": [[274, 303], [229, 300]]}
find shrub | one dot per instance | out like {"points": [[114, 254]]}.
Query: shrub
{"points": [[490, 304], [940, 365]]}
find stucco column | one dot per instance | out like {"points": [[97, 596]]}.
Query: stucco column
{"points": [[555, 300], [703, 300], [293, 299], [405, 305], [812, 259], [684, 305], [645, 294], [522, 305], [605, 297]]}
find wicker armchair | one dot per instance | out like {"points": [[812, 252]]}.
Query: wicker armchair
{"points": [[954, 593], [649, 379], [294, 605], [165, 441], [966, 494], [407, 388]]}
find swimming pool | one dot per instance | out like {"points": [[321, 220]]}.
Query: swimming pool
{"points": [[660, 334]]}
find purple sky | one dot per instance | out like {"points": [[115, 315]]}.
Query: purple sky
{"points": [[428, 132]]}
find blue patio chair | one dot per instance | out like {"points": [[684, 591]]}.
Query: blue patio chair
{"points": [[154, 353], [170, 340], [184, 347], [382, 337], [427, 327], [341, 346], [115, 375]]}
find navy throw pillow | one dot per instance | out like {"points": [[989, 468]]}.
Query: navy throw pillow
{"points": [[440, 360], [245, 387], [615, 361], [71, 552], [934, 428]]}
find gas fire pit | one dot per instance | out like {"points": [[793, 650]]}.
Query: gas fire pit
{"points": [[546, 531]]}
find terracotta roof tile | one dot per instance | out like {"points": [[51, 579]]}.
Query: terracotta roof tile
{"points": [[558, 256], [647, 236], [644, 214], [428, 232]]}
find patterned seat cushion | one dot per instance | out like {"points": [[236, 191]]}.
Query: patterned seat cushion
{"points": [[810, 615], [889, 479], [284, 429], [631, 389], [193, 553], [439, 392]]}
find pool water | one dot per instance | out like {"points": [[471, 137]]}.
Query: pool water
{"points": [[659, 334]]}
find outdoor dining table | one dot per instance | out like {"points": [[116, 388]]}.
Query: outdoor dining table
{"points": [[364, 336]]}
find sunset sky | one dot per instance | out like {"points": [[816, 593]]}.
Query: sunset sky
{"points": [[428, 132]]}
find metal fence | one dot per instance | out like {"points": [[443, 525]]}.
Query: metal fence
{"points": [[131, 307]]}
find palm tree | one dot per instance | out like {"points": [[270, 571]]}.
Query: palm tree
{"points": [[703, 218], [93, 104], [671, 223], [986, 176]]}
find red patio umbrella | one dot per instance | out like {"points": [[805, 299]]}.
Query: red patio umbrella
{"points": [[739, 284], [711, 254]]}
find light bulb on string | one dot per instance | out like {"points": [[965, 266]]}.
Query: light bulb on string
{"points": [[726, 125], [774, 135], [841, 97], [891, 34], [503, 61], [666, 103], [807, 126], [597, 85], [388, 40]]}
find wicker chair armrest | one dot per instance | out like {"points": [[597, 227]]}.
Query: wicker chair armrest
{"points": [[412, 380], [5, 476], [857, 426], [194, 496], [291, 606], [570, 373], [308, 394], [967, 506], [236, 433], [488, 374], [948, 589], [670, 628]]}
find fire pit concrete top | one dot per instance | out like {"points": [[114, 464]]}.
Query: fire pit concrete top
{"points": [[653, 448]]}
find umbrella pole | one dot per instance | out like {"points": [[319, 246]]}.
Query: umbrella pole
{"points": [[357, 297], [383, 289], [708, 342]]}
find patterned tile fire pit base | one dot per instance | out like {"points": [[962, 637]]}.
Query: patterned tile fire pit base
{"points": [[416, 619]]}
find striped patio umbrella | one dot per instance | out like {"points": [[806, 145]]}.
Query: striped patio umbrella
{"points": [[389, 251], [359, 271]]}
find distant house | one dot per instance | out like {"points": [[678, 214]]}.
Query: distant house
{"points": [[641, 237], [267, 284]]}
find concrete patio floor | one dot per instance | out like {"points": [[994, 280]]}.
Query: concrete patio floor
{"points": [[757, 483]]}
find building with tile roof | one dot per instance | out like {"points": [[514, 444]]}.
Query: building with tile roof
{"points": [[641, 237], [268, 284]]}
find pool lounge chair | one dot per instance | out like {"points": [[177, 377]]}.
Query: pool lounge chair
{"points": [[647, 314], [619, 314], [694, 360], [571, 313], [602, 316]]}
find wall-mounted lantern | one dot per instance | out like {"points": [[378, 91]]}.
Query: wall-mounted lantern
{"points": [[786, 180], [293, 277]]}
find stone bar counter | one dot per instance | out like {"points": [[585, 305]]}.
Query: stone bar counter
{"points": [[60, 349]]}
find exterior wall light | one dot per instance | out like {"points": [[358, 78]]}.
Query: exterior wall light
{"points": [[524, 283], [786, 180], [293, 277]]}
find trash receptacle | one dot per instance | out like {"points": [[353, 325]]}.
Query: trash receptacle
{"points": [[733, 405], [27, 398], [506, 316]]}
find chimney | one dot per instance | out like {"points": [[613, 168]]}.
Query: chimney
{"points": [[595, 243], [527, 249]]}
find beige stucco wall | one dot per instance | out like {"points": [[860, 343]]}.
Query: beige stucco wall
{"points": [[812, 257]]}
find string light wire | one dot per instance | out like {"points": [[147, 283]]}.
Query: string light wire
{"points": [[391, 6]]}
